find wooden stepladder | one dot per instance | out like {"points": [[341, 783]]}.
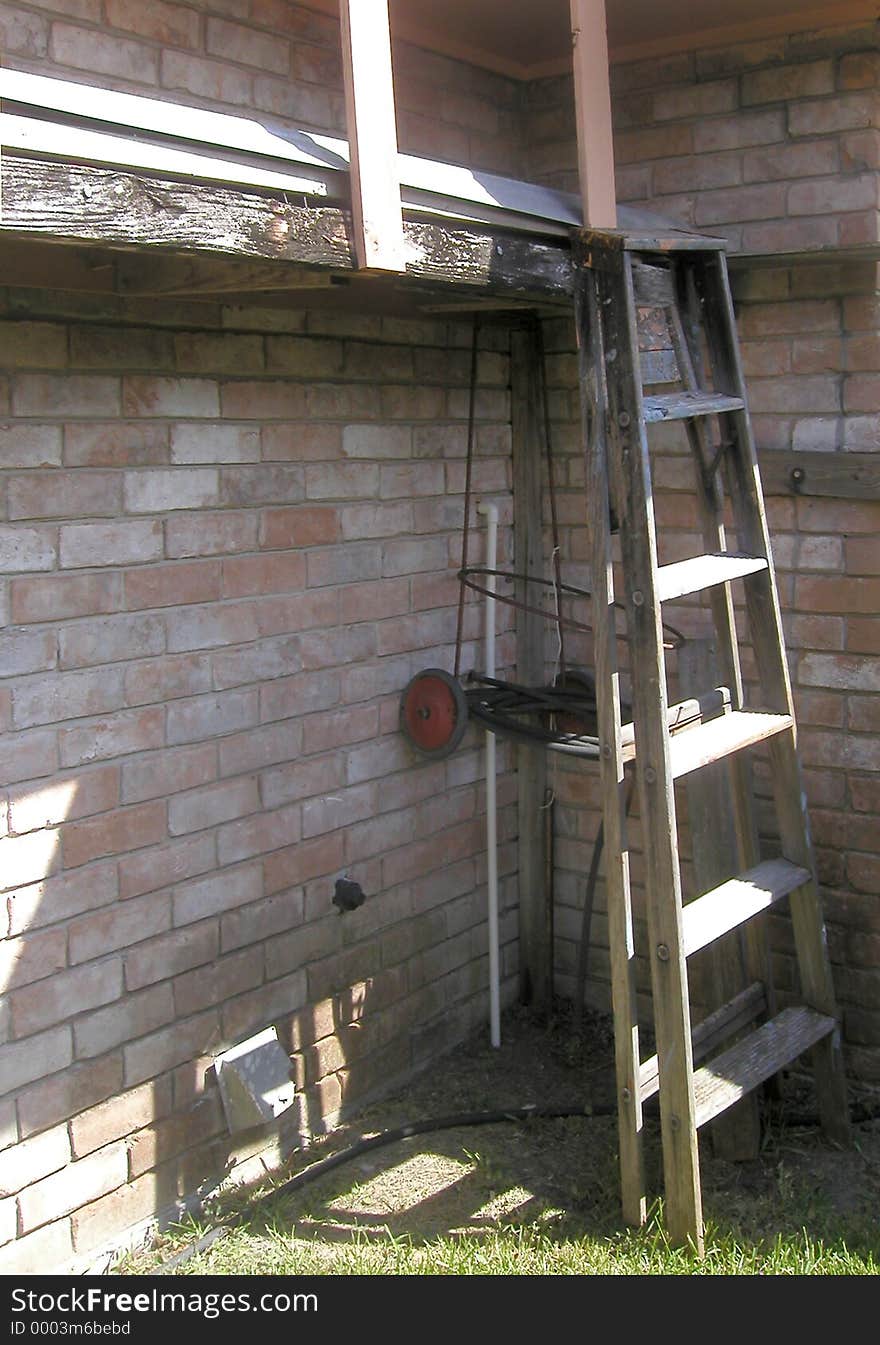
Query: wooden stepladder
{"points": [[626, 283]]}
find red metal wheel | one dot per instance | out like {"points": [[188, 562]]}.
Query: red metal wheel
{"points": [[433, 713]]}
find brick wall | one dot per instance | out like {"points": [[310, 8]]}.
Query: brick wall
{"points": [[228, 538], [773, 144], [271, 57]]}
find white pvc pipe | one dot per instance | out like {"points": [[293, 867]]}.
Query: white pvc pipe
{"points": [[491, 513]]}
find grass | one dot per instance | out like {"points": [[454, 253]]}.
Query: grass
{"points": [[508, 1227]]}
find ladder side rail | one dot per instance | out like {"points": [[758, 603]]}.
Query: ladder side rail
{"points": [[753, 941], [616, 846], [629, 463], [765, 623]]}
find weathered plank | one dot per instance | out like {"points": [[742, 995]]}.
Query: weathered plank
{"points": [[77, 203], [836, 475]]}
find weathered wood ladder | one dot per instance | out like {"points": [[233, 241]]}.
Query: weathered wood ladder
{"points": [[684, 279]]}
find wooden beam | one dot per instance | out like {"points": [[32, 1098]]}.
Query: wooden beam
{"points": [[137, 274], [592, 94], [372, 135], [833, 474], [74, 203], [529, 450]]}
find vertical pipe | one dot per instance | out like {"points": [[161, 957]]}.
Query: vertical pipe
{"points": [[491, 513]]}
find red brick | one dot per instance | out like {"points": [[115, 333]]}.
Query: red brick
{"points": [[260, 747], [93, 544], [161, 774], [88, 49], [24, 549], [32, 1160], [148, 395], [863, 635], [97, 347], [838, 517], [849, 111], [205, 79], [271, 1003], [339, 728], [298, 526], [24, 445], [296, 864], [115, 735], [213, 443], [61, 996], [301, 442], [114, 833], [263, 399], [170, 954], [56, 597], [172, 585], [25, 651], [301, 779], [861, 392], [34, 957], [171, 1046], [36, 1057], [219, 981], [261, 921], [52, 697], [119, 1117], [162, 866], [64, 800], [256, 835], [118, 926], [862, 555], [64, 494], [244, 576], [110, 640], [65, 395], [217, 893], [56, 899], [342, 481], [201, 808], [219, 353], [261, 661], [270, 483], [116, 445], [211, 534], [157, 490], [298, 695], [207, 716], [134, 1016], [166, 678], [821, 594], [69, 1093]]}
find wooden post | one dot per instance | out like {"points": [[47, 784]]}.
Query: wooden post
{"points": [[372, 135], [529, 449], [592, 94]]}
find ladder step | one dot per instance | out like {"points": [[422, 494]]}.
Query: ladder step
{"points": [[759, 1056], [710, 703], [711, 1033], [732, 903], [699, 572], [705, 743], [686, 405]]}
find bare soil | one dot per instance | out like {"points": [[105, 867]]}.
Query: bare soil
{"points": [[467, 1178]]}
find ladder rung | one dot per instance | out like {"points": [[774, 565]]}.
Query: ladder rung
{"points": [[732, 903], [705, 743], [713, 702], [699, 572], [686, 405], [711, 1033], [759, 1056]]}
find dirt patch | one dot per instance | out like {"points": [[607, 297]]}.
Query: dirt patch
{"points": [[470, 1178]]}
